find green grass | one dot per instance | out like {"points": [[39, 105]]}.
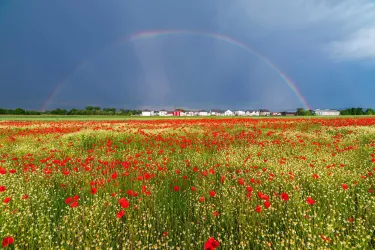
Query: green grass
{"points": [[111, 117]]}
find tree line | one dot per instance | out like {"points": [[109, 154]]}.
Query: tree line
{"points": [[357, 111], [95, 110], [89, 110]]}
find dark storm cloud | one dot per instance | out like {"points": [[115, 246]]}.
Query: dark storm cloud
{"points": [[44, 43]]}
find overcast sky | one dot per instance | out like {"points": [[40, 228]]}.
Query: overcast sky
{"points": [[327, 47]]}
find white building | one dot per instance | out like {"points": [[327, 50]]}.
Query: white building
{"points": [[264, 112], [326, 112], [240, 113], [252, 112], [147, 112], [163, 112], [203, 113], [191, 113], [228, 113], [216, 112]]}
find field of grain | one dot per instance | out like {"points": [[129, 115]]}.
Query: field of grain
{"points": [[188, 184]]}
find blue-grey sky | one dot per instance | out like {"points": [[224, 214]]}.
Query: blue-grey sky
{"points": [[327, 47]]}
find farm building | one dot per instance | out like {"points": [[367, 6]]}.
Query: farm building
{"points": [[289, 113], [264, 112], [326, 112], [252, 112], [203, 113], [228, 113], [174, 113], [147, 112], [163, 112], [216, 112], [240, 113]]}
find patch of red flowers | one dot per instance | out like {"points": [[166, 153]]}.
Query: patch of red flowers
{"points": [[94, 190], [267, 204], [310, 201], [8, 241], [74, 204], [211, 244], [124, 203], [285, 196], [258, 209], [120, 214]]}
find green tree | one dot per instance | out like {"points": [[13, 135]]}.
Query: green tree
{"points": [[300, 112], [370, 111], [19, 111]]}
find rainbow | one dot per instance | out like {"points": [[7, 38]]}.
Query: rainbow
{"points": [[158, 33]]}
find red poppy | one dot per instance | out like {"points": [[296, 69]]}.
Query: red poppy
{"points": [[325, 238], [25, 197], [285, 196], [344, 186], [6, 200], [3, 170], [310, 201], [94, 190], [201, 199], [2, 189], [215, 213], [263, 196], [193, 189], [8, 241], [258, 209], [241, 181], [267, 204], [211, 244], [68, 200], [74, 204], [212, 193], [222, 179], [176, 188], [114, 176], [76, 197], [120, 214], [124, 203]]}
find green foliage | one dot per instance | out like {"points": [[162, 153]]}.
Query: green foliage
{"points": [[59, 112], [301, 112], [357, 111]]}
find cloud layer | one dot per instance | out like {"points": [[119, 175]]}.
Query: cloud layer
{"points": [[344, 29]]}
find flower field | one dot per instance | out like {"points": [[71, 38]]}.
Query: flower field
{"points": [[188, 184]]}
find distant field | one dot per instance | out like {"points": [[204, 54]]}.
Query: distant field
{"points": [[187, 183], [81, 117], [110, 117]]}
